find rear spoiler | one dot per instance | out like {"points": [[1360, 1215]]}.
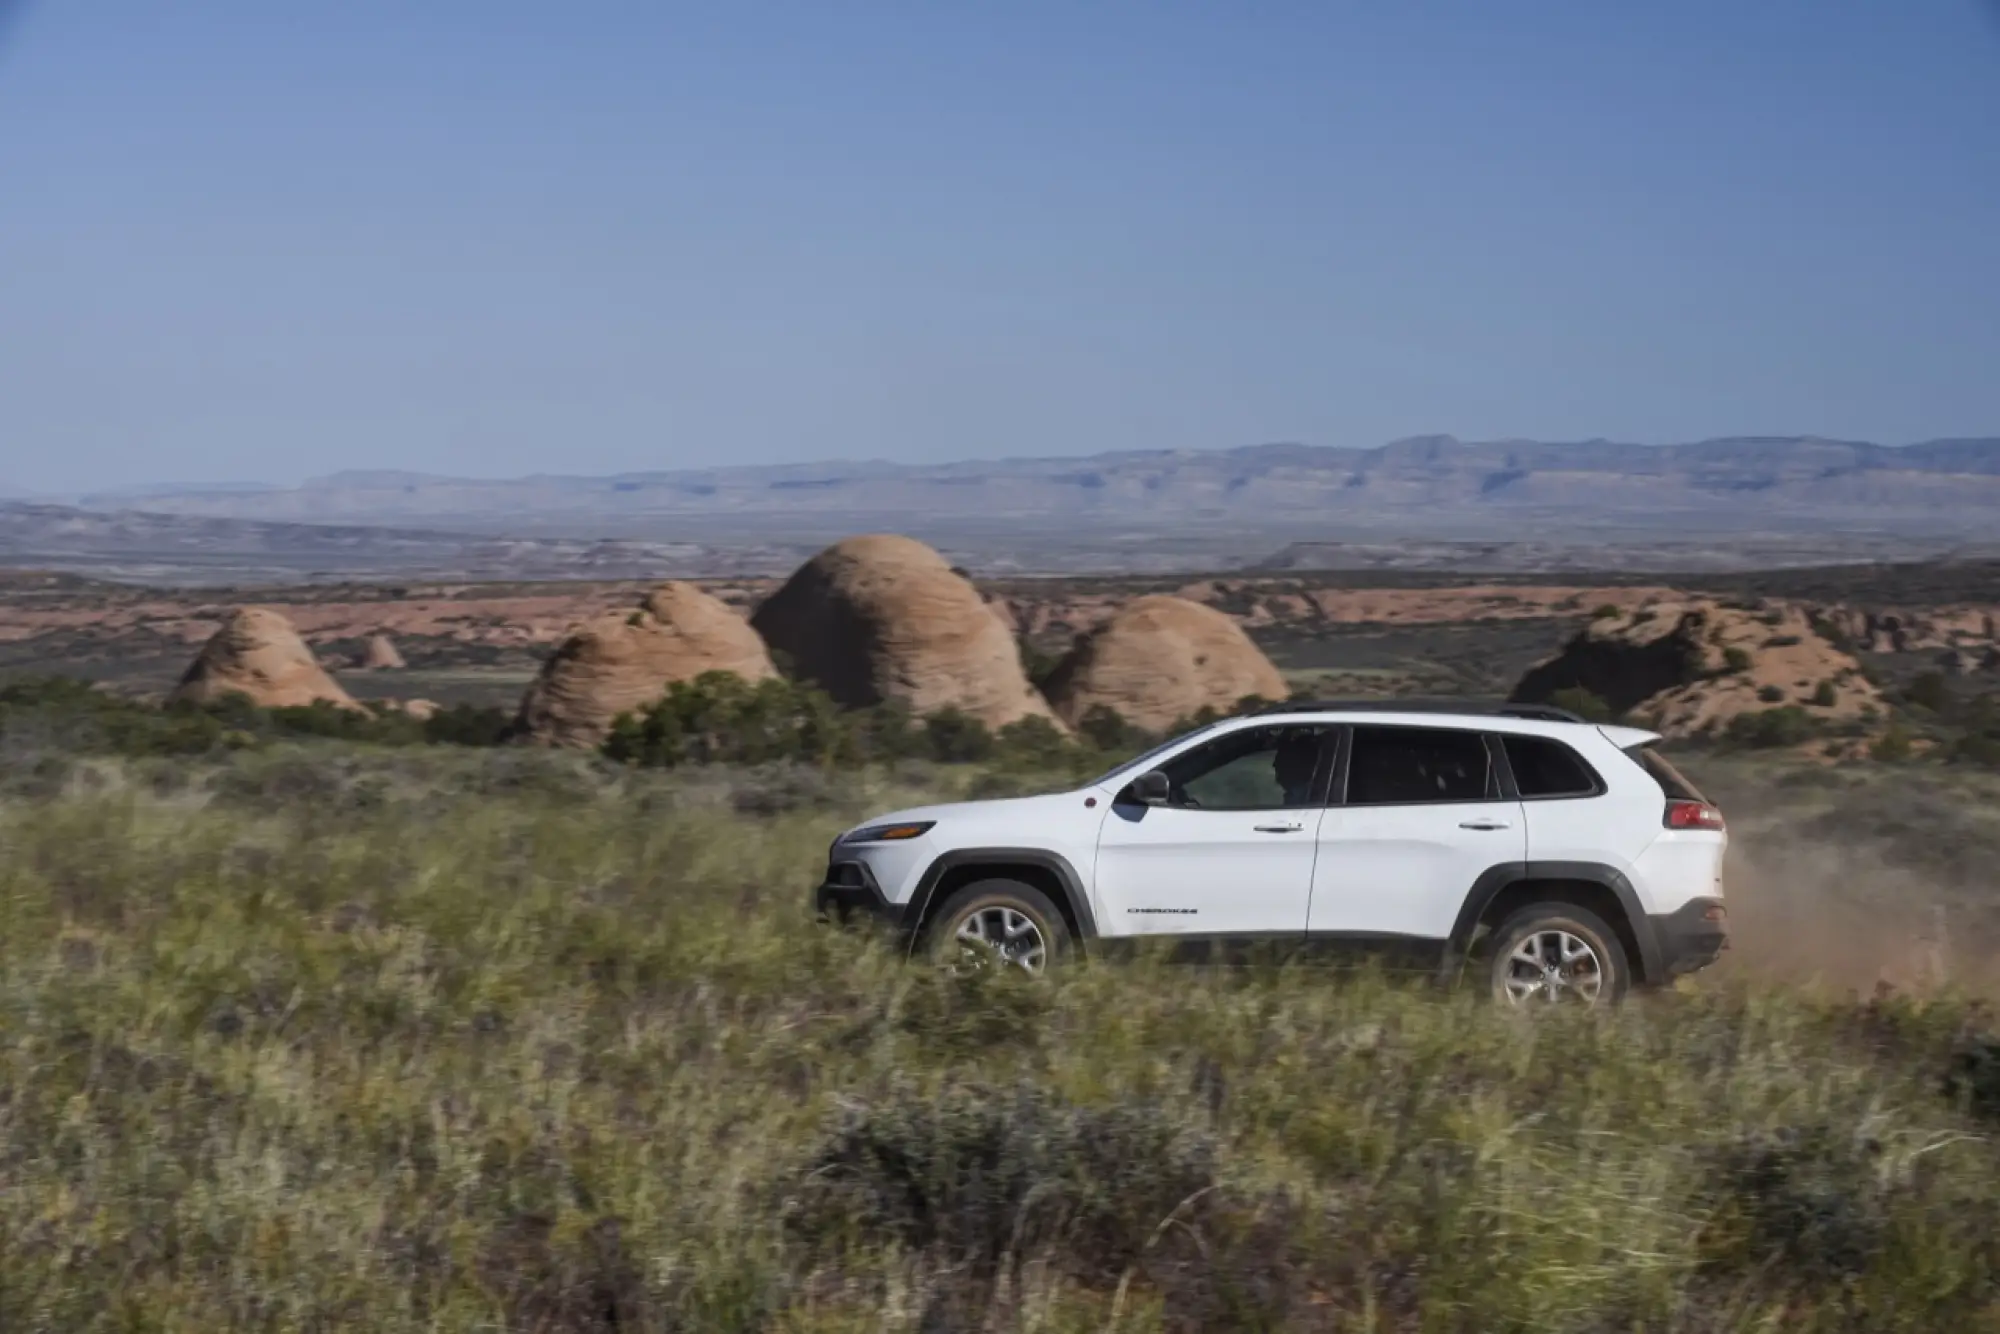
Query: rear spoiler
{"points": [[1630, 738]]}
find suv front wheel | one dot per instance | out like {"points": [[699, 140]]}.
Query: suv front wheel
{"points": [[1556, 954], [997, 922]]}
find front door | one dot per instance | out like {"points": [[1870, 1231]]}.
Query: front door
{"points": [[1421, 818], [1232, 853]]}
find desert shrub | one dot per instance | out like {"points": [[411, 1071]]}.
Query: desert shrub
{"points": [[979, 1177], [1604, 612], [1893, 746], [74, 717], [774, 789], [1033, 743], [1771, 694], [720, 718], [324, 719], [1782, 641], [467, 725], [956, 737], [1929, 690], [1810, 1198], [1036, 663], [1104, 728], [1764, 729], [889, 731], [1975, 1075], [1980, 748], [1831, 633], [1736, 660], [1823, 695]]}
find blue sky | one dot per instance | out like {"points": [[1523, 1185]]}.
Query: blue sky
{"points": [[247, 240]]}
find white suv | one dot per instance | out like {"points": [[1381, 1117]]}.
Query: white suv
{"points": [[1569, 859]]}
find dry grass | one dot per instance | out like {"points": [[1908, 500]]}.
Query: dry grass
{"points": [[331, 1039]]}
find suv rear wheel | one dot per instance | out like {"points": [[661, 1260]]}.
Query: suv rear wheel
{"points": [[1556, 954], [997, 922]]}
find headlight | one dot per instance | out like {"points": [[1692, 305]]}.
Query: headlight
{"points": [[889, 833]]}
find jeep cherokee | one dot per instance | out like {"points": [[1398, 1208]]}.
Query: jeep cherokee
{"points": [[1564, 861]]}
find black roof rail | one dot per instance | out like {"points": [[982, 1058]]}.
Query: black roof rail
{"points": [[1546, 713]]}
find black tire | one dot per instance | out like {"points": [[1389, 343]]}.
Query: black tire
{"points": [[1027, 927], [1598, 973]]}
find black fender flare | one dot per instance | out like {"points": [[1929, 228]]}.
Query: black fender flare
{"points": [[1497, 878], [1077, 899]]}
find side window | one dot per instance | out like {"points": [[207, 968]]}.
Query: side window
{"points": [[1545, 768], [1256, 769], [1399, 765]]}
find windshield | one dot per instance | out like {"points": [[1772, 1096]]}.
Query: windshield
{"points": [[1138, 760]]}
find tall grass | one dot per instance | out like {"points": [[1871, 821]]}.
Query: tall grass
{"points": [[331, 1040]]}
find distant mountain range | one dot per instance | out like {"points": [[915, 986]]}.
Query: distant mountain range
{"points": [[1431, 502], [140, 546], [1434, 484]]}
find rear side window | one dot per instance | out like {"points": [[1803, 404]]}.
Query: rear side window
{"points": [[1546, 768], [1670, 779], [1401, 765]]}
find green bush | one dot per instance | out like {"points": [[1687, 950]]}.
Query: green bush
{"points": [[1893, 746], [1823, 695], [1735, 660], [74, 717], [1771, 694], [720, 718], [1980, 749], [1766, 729], [1035, 663], [1104, 728], [956, 737], [1929, 690], [467, 725]]}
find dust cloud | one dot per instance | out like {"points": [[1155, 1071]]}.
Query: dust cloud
{"points": [[1844, 919]]}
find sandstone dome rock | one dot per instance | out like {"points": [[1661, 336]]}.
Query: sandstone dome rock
{"points": [[880, 618], [381, 655], [259, 655], [625, 660], [1691, 667], [1160, 659]]}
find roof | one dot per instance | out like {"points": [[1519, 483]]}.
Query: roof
{"points": [[1541, 713]]}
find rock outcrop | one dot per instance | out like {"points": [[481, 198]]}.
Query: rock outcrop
{"points": [[1160, 659], [880, 618], [1691, 667], [381, 655], [624, 660], [257, 654]]}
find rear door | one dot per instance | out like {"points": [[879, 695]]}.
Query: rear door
{"points": [[1416, 817]]}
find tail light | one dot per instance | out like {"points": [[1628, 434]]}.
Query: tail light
{"points": [[1693, 815]]}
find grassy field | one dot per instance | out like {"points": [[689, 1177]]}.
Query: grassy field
{"points": [[318, 1037]]}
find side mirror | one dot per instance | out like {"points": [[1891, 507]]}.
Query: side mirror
{"points": [[1152, 788]]}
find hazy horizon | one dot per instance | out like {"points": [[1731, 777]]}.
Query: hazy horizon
{"points": [[506, 239], [156, 485]]}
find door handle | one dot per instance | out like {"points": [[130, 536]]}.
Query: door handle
{"points": [[1484, 824], [1279, 828]]}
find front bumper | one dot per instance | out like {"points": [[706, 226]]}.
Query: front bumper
{"points": [[1691, 937], [850, 894]]}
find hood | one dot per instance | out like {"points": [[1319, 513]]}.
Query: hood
{"points": [[999, 809]]}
